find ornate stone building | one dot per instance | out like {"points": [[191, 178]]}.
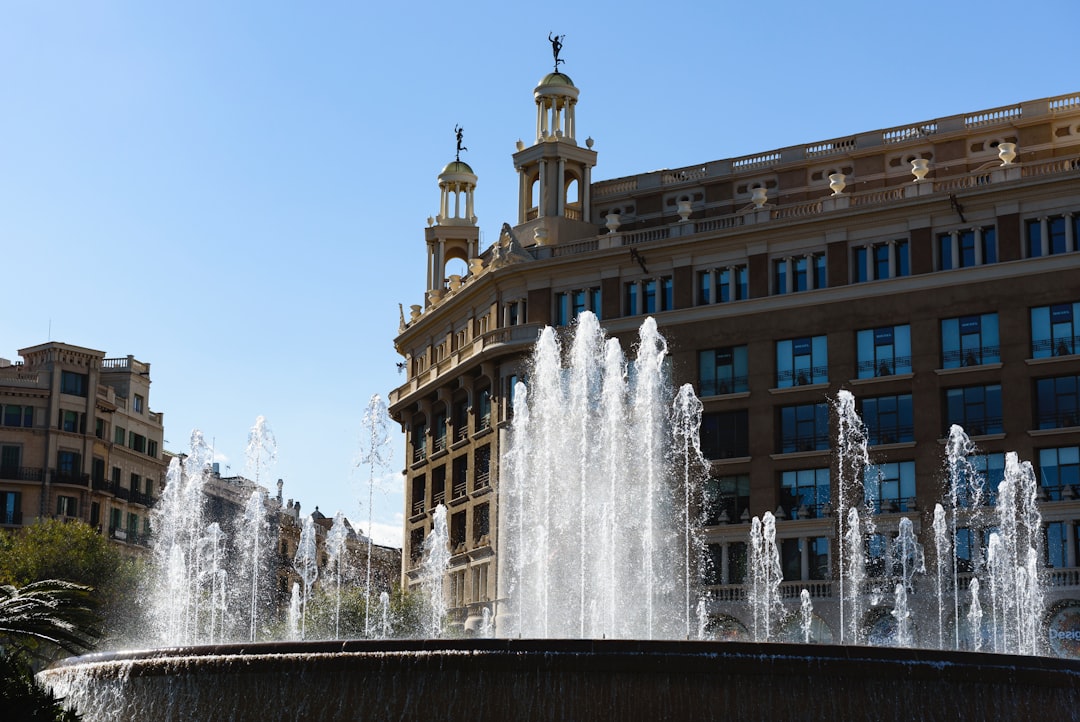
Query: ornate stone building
{"points": [[931, 268]]}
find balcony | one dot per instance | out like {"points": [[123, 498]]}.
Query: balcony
{"points": [[21, 473], [74, 478], [143, 499], [11, 517]]}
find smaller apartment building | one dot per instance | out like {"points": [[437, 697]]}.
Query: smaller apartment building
{"points": [[78, 440]]}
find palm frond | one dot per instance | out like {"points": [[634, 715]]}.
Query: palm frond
{"points": [[51, 610]]}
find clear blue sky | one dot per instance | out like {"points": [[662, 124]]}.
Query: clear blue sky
{"points": [[236, 192]]}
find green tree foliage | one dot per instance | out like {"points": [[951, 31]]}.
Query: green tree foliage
{"points": [[402, 618], [76, 552]]}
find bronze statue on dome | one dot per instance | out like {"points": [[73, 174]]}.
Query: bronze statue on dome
{"points": [[459, 131], [556, 47]]}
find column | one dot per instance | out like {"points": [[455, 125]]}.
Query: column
{"points": [[543, 190], [469, 203], [440, 268], [430, 267], [444, 202], [1070, 232], [586, 196], [560, 188], [1044, 236], [892, 259], [556, 117], [523, 195], [457, 200], [977, 232], [954, 248], [541, 120], [789, 277]]}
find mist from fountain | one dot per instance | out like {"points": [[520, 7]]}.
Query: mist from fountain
{"points": [[306, 564], [433, 566], [338, 563]]}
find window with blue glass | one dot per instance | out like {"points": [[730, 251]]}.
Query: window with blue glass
{"points": [[804, 427], [884, 351], [979, 478], [727, 498], [648, 296], [732, 284], [970, 341], [965, 551], [890, 487], [804, 493], [859, 265], [1056, 545], [802, 361], [976, 408], [570, 304], [1054, 331], [967, 248], [631, 299], [1048, 236], [17, 415], [438, 432], [722, 371], [888, 419], [1059, 469], [725, 434], [799, 273], [1057, 402], [73, 383], [704, 287], [667, 293], [780, 271]]}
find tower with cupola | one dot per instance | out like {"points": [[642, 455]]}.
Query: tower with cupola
{"points": [[452, 233]]}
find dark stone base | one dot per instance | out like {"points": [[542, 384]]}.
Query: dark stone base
{"points": [[500, 679]]}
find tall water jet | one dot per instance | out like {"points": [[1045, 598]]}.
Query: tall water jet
{"points": [[338, 562], [766, 574], [692, 470], [943, 566], [433, 568], [852, 460], [806, 615], [254, 543], [593, 502], [306, 564], [213, 581], [261, 449], [375, 454], [965, 491]]}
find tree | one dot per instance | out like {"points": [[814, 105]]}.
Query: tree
{"points": [[36, 622], [77, 553]]}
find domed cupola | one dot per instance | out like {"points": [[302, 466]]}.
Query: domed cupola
{"points": [[556, 98], [452, 233]]}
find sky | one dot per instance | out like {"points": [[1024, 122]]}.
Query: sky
{"points": [[236, 192]]}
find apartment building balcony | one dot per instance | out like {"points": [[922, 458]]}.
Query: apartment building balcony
{"points": [[73, 478], [21, 473]]}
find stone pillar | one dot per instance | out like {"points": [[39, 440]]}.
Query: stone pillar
{"points": [[977, 232], [586, 195], [1044, 236], [560, 189]]}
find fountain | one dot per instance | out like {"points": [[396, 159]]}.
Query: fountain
{"points": [[612, 623]]}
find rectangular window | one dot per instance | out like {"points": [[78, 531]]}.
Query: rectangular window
{"points": [[481, 522], [1056, 543], [648, 296], [859, 264], [138, 442], [151, 448], [732, 284], [438, 486], [483, 410], [802, 361], [884, 351], [438, 432], [890, 487], [976, 408], [69, 421], [136, 482], [725, 435], [631, 299], [459, 483], [1056, 240], [482, 467], [18, 416], [903, 264], [704, 287], [116, 476], [138, 403], [804, 428], [722, 371], [967, 248], [888, 419], [10, 507], [67, 506], [115, 518], [419, 442], [1058, 469], [1054, 331], [1057, 402], [780, 276], [419, 494], [95, 513], [68, 466], [119, 435], [970, 341], [945, 252], [799, 279], [132, 526], [727, 498], [804, 493], [10, 462], [820, 271], [667, 293], [73, 383], [570, 304], [461, 420], [881, 261]]}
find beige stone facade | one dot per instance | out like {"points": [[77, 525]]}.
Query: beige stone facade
{"points": [[78, 441], [932, 269]]}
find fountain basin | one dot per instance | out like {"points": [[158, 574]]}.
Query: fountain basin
{"points": [[524, 679]]}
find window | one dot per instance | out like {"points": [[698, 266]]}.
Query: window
{"points": [[967, 248], [859, 264], [877, 549], [648, 296], [68, 466], [95, 513], [137, 442], [819, 557], [481, 522], [667, 293], [438, 486], [879, 261], [457, 530], [804, 428], [151, 448], [799, 273], [727, 498], [804, 493], [790, 559], [115, 519], [722, 371], [69, 421], [459, 483], [1059, 468], [419, 494], [704, 287], [73, 383], [67, 506], [119, 435], [890, 487], [802, 361], [631, 299], [888, 419], [1049, 236], [138, 403], [419, 442], [10, 461], [970, 341], [1057, 402], [461, 420], [132, 525], [732, 284], [725, 435], [1056, 545], [482, 467], [654, 295], [10, 507], [570, 304], [976, 408], [136, 482], [989, 470], [18, 416], [1053, 330], [884, 351], [737, 561], [116, 476], [483, 410]]}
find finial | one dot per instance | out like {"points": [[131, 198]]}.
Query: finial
{"points": [[458, 131], [556, 47]]}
